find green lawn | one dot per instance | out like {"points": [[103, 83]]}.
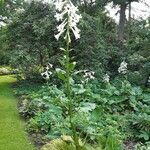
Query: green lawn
{"points": [[12, 132]]}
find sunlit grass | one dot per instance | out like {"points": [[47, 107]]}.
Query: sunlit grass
{"points": [[12, 133]]}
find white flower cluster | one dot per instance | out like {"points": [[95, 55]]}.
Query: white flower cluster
{"points": [[88, 75], [106, 78], [67, 14], [149, 79], [91, 2], [147, 23], [46, 75], [123, 68]]}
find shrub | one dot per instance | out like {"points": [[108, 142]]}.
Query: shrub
{"points": [[141, 146]]}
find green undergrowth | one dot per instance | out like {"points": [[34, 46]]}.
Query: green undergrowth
{"points": [[121, 115]]}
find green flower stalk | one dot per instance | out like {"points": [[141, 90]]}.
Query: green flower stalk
{"points": [[66, 13]]}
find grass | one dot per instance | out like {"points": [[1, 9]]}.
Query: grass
{"points": [[12, 132]]}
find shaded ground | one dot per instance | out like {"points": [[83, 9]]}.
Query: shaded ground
{"points": [[12, 133]]}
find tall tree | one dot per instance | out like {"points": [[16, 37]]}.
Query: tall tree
{"points": [[91, 7], [122, 19]]}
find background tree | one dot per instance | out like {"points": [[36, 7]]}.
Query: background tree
{"points": [[29, 43], [34, 42], [9, 8], [122, 16], [31, 38]]}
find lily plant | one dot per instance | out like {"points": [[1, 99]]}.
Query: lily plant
{"points": [[68, 17]]}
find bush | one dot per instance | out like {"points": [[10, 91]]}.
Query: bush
{"points": [[38, 47], [32, 46], [141, 146]]}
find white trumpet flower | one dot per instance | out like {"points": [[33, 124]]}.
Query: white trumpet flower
{"points": [[61, 27], [106, 78], [123, 68], [46, 75], [149, 79], [89, 75], [66, 10], [58, 35]]}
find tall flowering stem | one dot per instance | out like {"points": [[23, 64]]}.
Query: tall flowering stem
{"points": [[66, 13]]}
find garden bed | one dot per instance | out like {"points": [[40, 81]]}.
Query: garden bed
{"points": [[121, 118]]}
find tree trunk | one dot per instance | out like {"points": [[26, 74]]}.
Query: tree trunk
{"points": [[41, 58], [129, 11], [129, 20], [122, 21]]}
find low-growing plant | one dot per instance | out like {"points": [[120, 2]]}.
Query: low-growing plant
{"points": [[141, 146], [141, 122]]}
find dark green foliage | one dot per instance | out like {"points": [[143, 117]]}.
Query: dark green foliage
{"points": [[141, 146], [45, 117], [4, 57], [31, 39], [141, 119], [96, 49], [34, 42], [122, 107], [29, 43], [8, 9], [122, 111], [138, 53]]}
